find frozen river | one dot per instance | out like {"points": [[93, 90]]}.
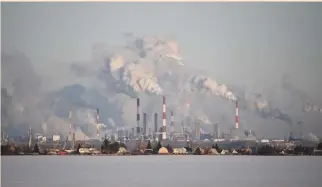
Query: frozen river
{"points": [[161, 171]]}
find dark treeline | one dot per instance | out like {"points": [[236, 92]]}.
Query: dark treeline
{"points": [[297, 150], [11, 149], [109, 147], [19, 150], [153, 147]]}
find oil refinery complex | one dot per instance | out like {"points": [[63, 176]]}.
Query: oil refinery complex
{"points": [[165, 135]]}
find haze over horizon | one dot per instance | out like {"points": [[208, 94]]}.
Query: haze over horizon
{"points": [[269, 48]]}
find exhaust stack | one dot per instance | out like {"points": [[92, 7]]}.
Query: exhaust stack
{"points": [[182, 127], [97, 123], [216, 130], [164, 120], [172, 128], [137, 116], [160, 134], [30, 137], [155, 122], [132, 132], [144, 123], [73, 142], [70, 121], [172, 121], [237, 120], [197, 129]]}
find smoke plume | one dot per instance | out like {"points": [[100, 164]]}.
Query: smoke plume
{"points": [[147, 67]]}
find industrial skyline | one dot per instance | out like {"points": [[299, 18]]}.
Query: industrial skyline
{"points": [[158, 56]]}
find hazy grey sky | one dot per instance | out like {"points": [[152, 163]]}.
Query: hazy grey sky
{"points": [[242, 43]]}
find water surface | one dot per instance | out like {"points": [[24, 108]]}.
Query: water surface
{"points": [[161, 171]]}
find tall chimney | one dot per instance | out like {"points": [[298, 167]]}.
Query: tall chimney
{"points": [[155, 122], [73, 141], [182, 127], [137, 116], [30, 136], [150, 132], [216, 130], [126, 133], [164, 120], [70, 121], [188, 123], [144, 123], [118, 133], [197, 129], [172, 128], [132, 132], [160, 135], [172, 120], [97, 122], [237, 120]]}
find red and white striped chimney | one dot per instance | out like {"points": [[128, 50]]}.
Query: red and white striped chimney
{"points": [[237, 121], [97, 123], [164, 120]]}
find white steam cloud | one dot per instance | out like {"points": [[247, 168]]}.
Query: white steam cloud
{"points": [[147, 67]]}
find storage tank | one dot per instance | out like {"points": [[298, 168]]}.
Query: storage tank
{"points": [[56, 138]]}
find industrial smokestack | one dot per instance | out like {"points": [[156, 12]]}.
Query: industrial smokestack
{"points": [[70, 121], [73, 142], [216, 130], [97, 122], [118, 132], [144, 123], [155, 122], [164, 120], [188, 123], [197, 129], [150, 132], [132, 132], [237, 120], [172, 129], [30, 137], [137, 116], [160, 135], [126, 133], [291, 136], [182, 129], [172, 120]]}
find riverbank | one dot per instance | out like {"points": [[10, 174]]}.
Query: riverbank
{"points": [[141, 148], [109, 155]]}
